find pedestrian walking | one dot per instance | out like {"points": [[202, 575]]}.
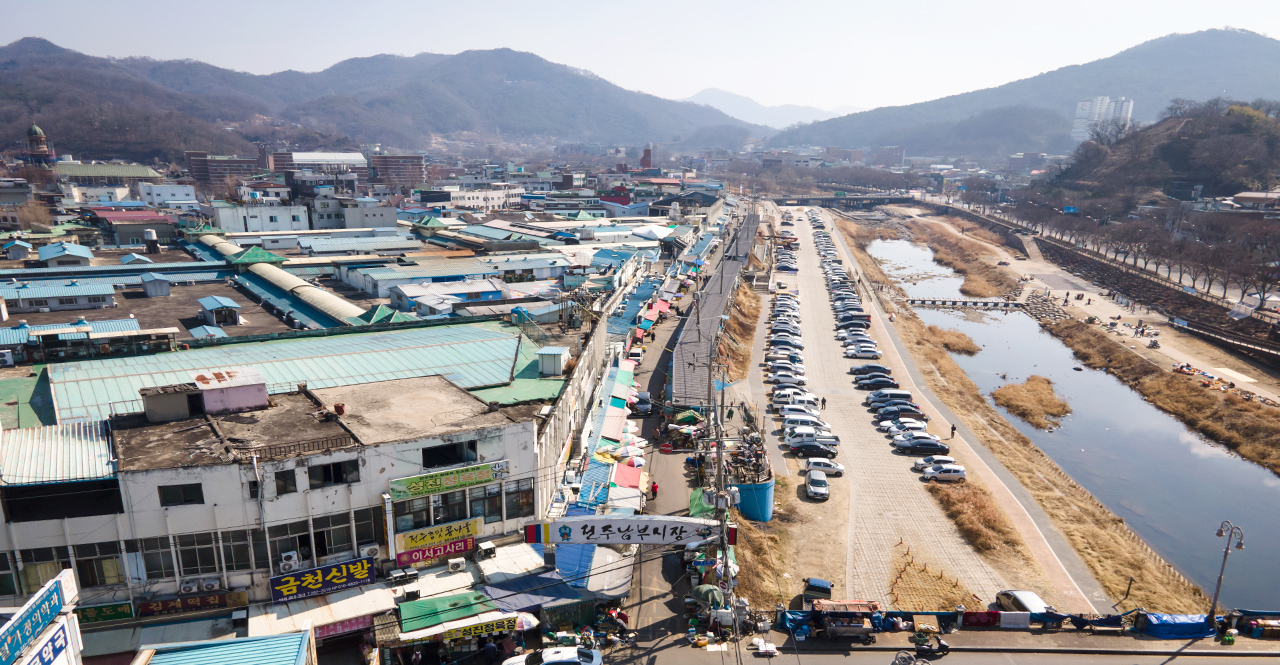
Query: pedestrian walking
{"points": [[824, 403], [953, 431], [653, 489]]}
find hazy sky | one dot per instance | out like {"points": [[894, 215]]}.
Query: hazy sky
{"points": [[826, 54]]}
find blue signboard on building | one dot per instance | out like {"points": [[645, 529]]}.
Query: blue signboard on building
{"points": [[53, 647], [320, 581], [1071, 210], [29, 622]]}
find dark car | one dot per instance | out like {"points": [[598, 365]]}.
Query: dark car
{"points": [[813, 450], [853, 325], [873, 375], [893, 402], [643, 405], [876, 384], [894, 412], [923, 447], [870, 368]]}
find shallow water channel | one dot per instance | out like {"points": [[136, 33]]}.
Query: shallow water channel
{"points": [[1170, 485]]}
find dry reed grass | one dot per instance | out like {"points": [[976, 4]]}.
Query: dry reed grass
{"points": [[982, 278], [1250, 429], [976, 514], [741, 329], [954, 341], [1033, 401], [759, 552], [918, 586]]}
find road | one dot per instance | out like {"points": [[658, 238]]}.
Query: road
{"points": [[684, 654]]}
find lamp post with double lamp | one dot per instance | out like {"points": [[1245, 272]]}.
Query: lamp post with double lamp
{"points": [[1232, 532]]}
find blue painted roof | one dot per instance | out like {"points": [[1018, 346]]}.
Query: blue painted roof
{"points": [[150, 277], [286, 649], [57, 249], [19, 243], [134, 258], [471, 356], [217, 302], [380, 243], [58, 271], [68, 291], [15, 335], [56, 454], [552, 350], [200, 332]]}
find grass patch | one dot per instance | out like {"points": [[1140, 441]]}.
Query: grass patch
{"points": [[1250, 429], [954, 341], [973, 260], [741, 330], [760, 552], [976, 514], [1033, 401], [916, 586]]}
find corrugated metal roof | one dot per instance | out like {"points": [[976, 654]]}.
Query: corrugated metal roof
{"points": [[66, 291], [15, 335], [528, 264], [39, 273], [286, 649], [442, 268], [63, 249], [358, 244], [55, 454], [486, 232], [135, 257], [552, 350], [470, 356], [216, 302], [200, 332], [104, 171], [134, 280]]}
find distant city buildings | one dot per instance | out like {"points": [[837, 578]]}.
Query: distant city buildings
{"points": [[1099, 110]]}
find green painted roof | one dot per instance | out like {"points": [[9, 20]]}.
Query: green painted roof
{"points": [[381, 314], [256, 255], [527, 385], [428, 612]]}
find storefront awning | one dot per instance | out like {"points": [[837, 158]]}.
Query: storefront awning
{"points": [[523, 621], [626, 476], [646, 324], [320, 610], [531, 592], [418, 615]]}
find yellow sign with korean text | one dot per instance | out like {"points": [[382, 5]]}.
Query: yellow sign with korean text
{"points": [[487, 628], [438, 534]]}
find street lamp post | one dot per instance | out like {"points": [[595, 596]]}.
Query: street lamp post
{"points": [[1231, 531]]}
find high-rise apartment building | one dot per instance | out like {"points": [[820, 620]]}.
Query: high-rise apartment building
{"points": [[1099, 109]]}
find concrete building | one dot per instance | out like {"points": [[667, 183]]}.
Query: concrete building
{"points": [[498, 198], [256, 218], [96, 194], [129, 227], [352, 163], [398, 170], [105, 174], [161, 196], [1090, 112], [210, 170], [14, 191], [26, 298], [368, 213], [438, 298], [65, 254]]}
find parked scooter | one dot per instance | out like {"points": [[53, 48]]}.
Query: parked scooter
{"points": [[1153, 344], [928, 650]]}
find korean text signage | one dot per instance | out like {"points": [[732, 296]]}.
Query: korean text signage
{"points": [[623, 530], [109, 612], [440, 534], [151, 608], [434, 552], [322, 580], [53, 647], [30, 621], [487, 628], [448, 481], [344, 627]]}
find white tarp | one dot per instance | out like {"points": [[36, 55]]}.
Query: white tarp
{"points": [[652, 232]]}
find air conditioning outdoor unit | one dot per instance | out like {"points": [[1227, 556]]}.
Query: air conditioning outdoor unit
{"points": [[457, 565], [188, 587], [370, 551], [210, 585], [486, 551], [289, 566], [290, 557]]}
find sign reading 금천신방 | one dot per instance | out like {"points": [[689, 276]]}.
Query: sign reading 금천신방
{"points": [[413, 487], [322, 580], [625, 530]]}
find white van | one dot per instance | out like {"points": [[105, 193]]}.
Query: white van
{"points": [[636, 354], [804, 421], [887, 394], [787, 396], [797, 409], [798, 435]]}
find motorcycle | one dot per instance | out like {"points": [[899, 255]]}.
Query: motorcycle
{"points": [[928, 650], [1153, 344]]}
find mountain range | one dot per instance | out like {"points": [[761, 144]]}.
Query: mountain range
{"points": [[749, 110], [1230, 63], [145, 109]]}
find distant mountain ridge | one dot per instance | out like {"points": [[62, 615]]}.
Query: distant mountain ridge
{"points": [[156, 109], [749, 110], [1201, 65]]}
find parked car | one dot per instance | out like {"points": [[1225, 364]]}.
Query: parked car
{"points": [[915, 434], [824, 465], [815, 485], [1013, 600], [900, 425], [557, 656], [868, 354], [873, 383], [892, 412], [932, 460], [813, 450], [923, 447], [643, 405], [946, 473], [870, 368], [785, 377]]}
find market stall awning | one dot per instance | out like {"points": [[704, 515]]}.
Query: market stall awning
{"points": [[662, 305], [488, 619], [530, 592], [646, 324], [653, 313], [417, 615], [320, 610], [626, 476]]}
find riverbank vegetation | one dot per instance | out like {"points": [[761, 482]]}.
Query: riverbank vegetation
{"points": [[1033, 401], [741, 330], [1107, 546], [976, 514], [969, 258], [1250, 429], [759, 550], [955, 341]]}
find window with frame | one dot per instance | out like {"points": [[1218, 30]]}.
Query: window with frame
{"points": [[519, 498], [337, 473], [8, 585], [286, 482], [413, 514], [333, 534], [236, 547], [37, 303], [253, 489], [486, 502], [157, 560], [449, 507], [197, 554], [291, 537], [97, 299], [68, 301], [181, 495], [450, 454], [41, 564], [99, 564], [370, 526]]}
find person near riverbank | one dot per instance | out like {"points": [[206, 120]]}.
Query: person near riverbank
{"points": [[824, 403], [953, 431]]}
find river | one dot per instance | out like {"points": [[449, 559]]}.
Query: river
{"points": [[1169, 484]]}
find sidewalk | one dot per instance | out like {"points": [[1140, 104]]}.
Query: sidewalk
{"points": [[1041, 641]]}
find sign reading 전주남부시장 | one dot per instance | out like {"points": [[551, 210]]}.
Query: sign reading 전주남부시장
{"points": [[448, 481], [625, 529], [108, 612], [30, 622], [322, 580]]}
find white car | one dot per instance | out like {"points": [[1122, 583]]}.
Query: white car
{"points": [[785, 410], [816, 486], [948, 473], [824, 465], [901, 425], [914, 435], [865, 354], [786, 377], [557, 656], [932, 460]]}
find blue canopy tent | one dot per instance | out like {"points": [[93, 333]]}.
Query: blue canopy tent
{"points": [[531, 592], [1177, 626]]}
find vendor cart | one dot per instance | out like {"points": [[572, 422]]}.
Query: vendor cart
{"points": [[837, 619]]}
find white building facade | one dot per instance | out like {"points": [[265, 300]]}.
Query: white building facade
{"points": [[159, 196], [1099, 110], [234, 218]]}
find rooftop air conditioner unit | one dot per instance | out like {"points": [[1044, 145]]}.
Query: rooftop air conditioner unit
{"points": [[210, 585], [486, 551], [457, 565], [188, 587]]}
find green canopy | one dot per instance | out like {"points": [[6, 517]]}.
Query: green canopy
{"points": [[256, 255], [428, 612], [688, 417], [698, 506], [709, 594], [381, 314]]}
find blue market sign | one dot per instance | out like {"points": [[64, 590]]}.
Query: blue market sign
{"points": [[30, 621], [320, 581], [53, 647]]}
